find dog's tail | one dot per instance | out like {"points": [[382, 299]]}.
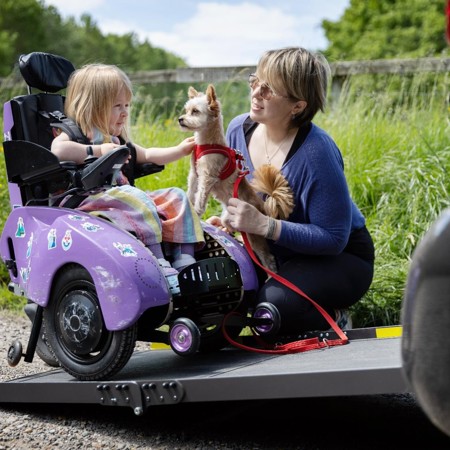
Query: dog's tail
{"points": [[279, 201]]}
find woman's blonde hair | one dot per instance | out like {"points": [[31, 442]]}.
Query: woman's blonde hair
{"points": [[303, 75], [91, 94]]}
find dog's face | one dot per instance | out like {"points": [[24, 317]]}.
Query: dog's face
{"points": [[200, 109]]}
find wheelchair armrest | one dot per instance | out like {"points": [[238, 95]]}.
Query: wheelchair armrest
{"points": [[102, 170], [27, 162], [69, 165], [141, 170]]}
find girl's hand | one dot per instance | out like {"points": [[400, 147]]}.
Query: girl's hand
{"points": [[187, 146], [218, 223], [107, 147], [215, 221]]}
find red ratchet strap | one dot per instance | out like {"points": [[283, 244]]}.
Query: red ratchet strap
{"points": [[302, 345]]}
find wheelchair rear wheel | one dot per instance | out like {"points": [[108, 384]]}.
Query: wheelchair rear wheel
{"points": [[76, 333]]}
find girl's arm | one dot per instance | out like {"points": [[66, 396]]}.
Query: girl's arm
{"points": [[67, 150], [164, 155]]}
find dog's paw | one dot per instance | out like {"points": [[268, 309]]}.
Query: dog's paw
{"points": [[199, 210], [272, 267], [270, 263]]}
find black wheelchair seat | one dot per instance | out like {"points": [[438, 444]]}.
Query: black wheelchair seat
{"points": [[29, 129]]}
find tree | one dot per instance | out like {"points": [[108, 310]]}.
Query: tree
{"points": [[383, 29], [7, 53], [28, 25], [22, 27]]}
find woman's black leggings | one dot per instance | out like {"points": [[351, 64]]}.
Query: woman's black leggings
{"points": [[333, 282]]}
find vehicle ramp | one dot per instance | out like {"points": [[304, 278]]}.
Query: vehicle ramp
{"points": [[369, 364]]}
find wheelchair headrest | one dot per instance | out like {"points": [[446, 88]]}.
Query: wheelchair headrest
{"points": [[44, 71]]}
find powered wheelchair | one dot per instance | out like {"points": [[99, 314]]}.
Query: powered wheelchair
{"points": [[93, 289]]}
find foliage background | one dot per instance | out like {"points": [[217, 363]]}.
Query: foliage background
{"points": [[368, 29], [29, 25], [384, 29]]}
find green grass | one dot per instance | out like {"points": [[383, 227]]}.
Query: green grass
{"points": [[394, 134]]}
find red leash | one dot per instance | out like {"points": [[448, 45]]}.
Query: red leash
{"points": [[296, 346]]}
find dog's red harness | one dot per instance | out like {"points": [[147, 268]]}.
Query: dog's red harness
{"points": [[234, 158]]}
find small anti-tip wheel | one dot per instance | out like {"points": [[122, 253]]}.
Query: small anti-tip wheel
{"points": [[14, 353], [270, 312], [184, 337]]}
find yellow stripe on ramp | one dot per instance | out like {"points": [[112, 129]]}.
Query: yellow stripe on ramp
{"points": [[388, 332], [158, 346]]}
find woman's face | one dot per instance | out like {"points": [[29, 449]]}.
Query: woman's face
{"points": [[119, 113], [266, 106]]}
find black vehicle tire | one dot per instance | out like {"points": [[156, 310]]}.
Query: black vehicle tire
{"points": [[45, 353], [75, 330]]}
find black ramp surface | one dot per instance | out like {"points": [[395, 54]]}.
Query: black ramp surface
{"points": [[362, 367]]}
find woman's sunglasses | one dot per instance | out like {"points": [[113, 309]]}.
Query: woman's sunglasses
{"points": [[265, 91]]}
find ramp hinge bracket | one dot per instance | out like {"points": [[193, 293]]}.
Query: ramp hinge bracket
{"points": [[139, 396], [120, 393], [167, 392]]}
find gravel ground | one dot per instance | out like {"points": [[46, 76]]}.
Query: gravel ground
{"points": [[345, 423]]}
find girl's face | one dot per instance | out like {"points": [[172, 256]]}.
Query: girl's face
{"points": [[119, 113]]}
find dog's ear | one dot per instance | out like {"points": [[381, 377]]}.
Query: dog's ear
{"points": [[213, 103], [211, 93], [192, 92]]}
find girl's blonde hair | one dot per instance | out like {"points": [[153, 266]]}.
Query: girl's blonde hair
{"points": [[91, 94], [303, 75]]}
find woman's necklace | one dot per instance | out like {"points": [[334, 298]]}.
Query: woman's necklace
{"points": [[270, 157]]}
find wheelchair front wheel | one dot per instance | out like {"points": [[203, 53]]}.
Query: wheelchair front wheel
{"points": [[184, 337]]}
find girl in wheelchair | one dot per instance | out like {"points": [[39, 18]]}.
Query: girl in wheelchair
{"points": [[98, 100]]}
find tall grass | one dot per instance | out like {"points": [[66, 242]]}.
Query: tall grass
{"points": [[394, 135]]}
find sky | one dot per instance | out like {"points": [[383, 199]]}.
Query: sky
{"points": [[216, 33]]}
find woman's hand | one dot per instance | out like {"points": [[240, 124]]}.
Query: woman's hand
{"points": [[242, 216]]}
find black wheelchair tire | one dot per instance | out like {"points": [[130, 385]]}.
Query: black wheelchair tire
{"points": [[82, 345]]}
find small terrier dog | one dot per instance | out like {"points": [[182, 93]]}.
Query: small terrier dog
{"points": [[215, 168]]}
